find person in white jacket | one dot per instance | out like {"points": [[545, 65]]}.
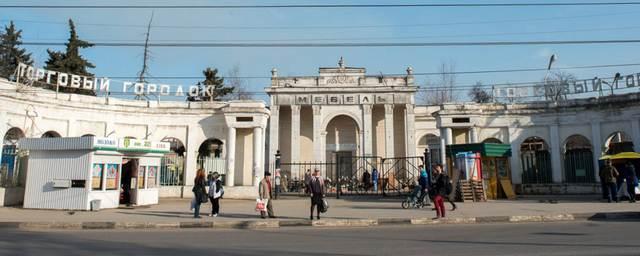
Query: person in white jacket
{"points": [[215, 193]]}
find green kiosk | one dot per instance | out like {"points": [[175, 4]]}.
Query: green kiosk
{"points": [[482, 169]]}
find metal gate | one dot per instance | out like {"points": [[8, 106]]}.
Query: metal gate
{"points": [[578, 166], [172, 170], [293, 176], [399, 174], [536, 167], [356, 175]]}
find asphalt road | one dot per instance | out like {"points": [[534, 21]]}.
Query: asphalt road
{"points": [[577, 238]]}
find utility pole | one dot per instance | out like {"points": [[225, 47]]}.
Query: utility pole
{"points": [[145, 60]]}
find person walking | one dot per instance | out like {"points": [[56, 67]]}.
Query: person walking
{"points": [[278, 181], [316, 189], [424, 186], [366, 180], [631, 180], [609, 174], [448, 197], [215, 193], [264, 192], [199, 192], [441, 189], [374, 178]]}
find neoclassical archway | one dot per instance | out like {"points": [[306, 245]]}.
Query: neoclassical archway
{"points": [[536, 161], [432, 143], [578, 160], [51, 134], [341, 142], [617, 142], [9, 158], [172, 166]]}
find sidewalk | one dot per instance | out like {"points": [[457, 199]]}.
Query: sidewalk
{"points": [[296, 210]]}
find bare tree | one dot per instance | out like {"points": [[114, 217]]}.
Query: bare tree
{"points": [[234, 80], [556, 85], [442, 90], [479, 95]]}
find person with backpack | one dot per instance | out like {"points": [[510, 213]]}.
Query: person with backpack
{"points": [[441, 189], [216, 191]]}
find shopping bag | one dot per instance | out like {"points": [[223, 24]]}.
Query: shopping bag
{"points": [[325, 206], [193, 204], [260, 205]]}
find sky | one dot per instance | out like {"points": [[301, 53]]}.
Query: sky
{"points": [[416, 24]]}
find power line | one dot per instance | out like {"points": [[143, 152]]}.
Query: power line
{"points": [[315, 6], [417, 73], [324, 45], [346, 26]]}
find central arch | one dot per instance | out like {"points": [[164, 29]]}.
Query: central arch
{"points": [[341, 142]]}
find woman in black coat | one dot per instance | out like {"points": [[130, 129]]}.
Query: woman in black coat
{"points": [[199, 192]]}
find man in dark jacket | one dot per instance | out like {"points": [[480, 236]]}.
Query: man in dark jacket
{"points": [[424, 185], [441, 189], [316, 189], [631, 180], [609, 175]]}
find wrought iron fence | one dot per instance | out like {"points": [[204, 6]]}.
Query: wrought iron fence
{"points": [[212, 164], [13, 166], [293, 176], [536, 167], [400, 174], [578, 166], [172, 170]]}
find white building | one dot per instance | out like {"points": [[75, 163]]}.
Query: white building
{"points": [[341, 112]]}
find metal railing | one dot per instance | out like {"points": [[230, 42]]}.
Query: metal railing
{"points": [[172, 170]]}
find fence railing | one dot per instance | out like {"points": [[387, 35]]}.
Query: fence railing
{"points": [[172, 170], [13, 167], [211, 165]]}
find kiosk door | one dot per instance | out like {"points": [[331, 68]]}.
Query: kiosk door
{"points": [[129, 180]]}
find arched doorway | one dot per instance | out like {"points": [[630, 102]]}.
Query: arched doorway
{"points": [[618, 142], [492, 140], [342, 146], [172, 165], [578, 160], [51, 134], [10, 161], [210, 157], [432, 143], [536, 161]]}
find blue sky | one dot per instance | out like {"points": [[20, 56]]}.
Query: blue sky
{"points": [[395, 25]]}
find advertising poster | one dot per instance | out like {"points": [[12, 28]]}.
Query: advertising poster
{"points": [[141, 177], [152, 175], [96, 176], [112, 176]]}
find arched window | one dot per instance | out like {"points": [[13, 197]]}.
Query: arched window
{"points": [[432, 143], [172, 165], [51, 134], [618, 142], [492, 140]]}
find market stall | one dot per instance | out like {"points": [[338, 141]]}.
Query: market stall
{"points": [[88, 172], [484, 165], [620, 161]]}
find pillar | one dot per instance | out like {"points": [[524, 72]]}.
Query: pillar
{"points": [[410, 131], [635, 134], [231, 156], [317, 138], [191, 156], [71, 128], [295, 134], [274, 139], [388, 131], [257, 155], [443, 147], [323, 146], [473, 135], [368, 129], [597, 148], [556, 155]]}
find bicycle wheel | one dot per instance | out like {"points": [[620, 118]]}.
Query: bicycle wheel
{"points": [[405, 204]]}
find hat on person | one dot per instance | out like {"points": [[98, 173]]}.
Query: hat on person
{"points": [[267, 173]]}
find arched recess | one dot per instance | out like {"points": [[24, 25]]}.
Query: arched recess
{"points": [[578, 160], [210, 156], [432, 143], [342, 143], [88, 135], [10, 159], [492, 140], [51, 134], [536, 161], [172, 165], [618, 142]]}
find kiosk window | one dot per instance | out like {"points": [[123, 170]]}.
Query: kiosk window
{"points": [[96, 176], [152, 175], [112, 176], [141, 176]]}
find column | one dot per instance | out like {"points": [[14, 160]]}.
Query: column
{"points": [[635, 134], [473, 135], [274, 139], [295, 133], [368, 129], [317, 122], [556, 155], [443, 147], [191, 162], [323, 146], [257, 155], [597, 147], [71, 128], [388, 130], [449, 136], [231, 156], [410, 131]]}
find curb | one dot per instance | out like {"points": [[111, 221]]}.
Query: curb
{"points": [[325, 223]]}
